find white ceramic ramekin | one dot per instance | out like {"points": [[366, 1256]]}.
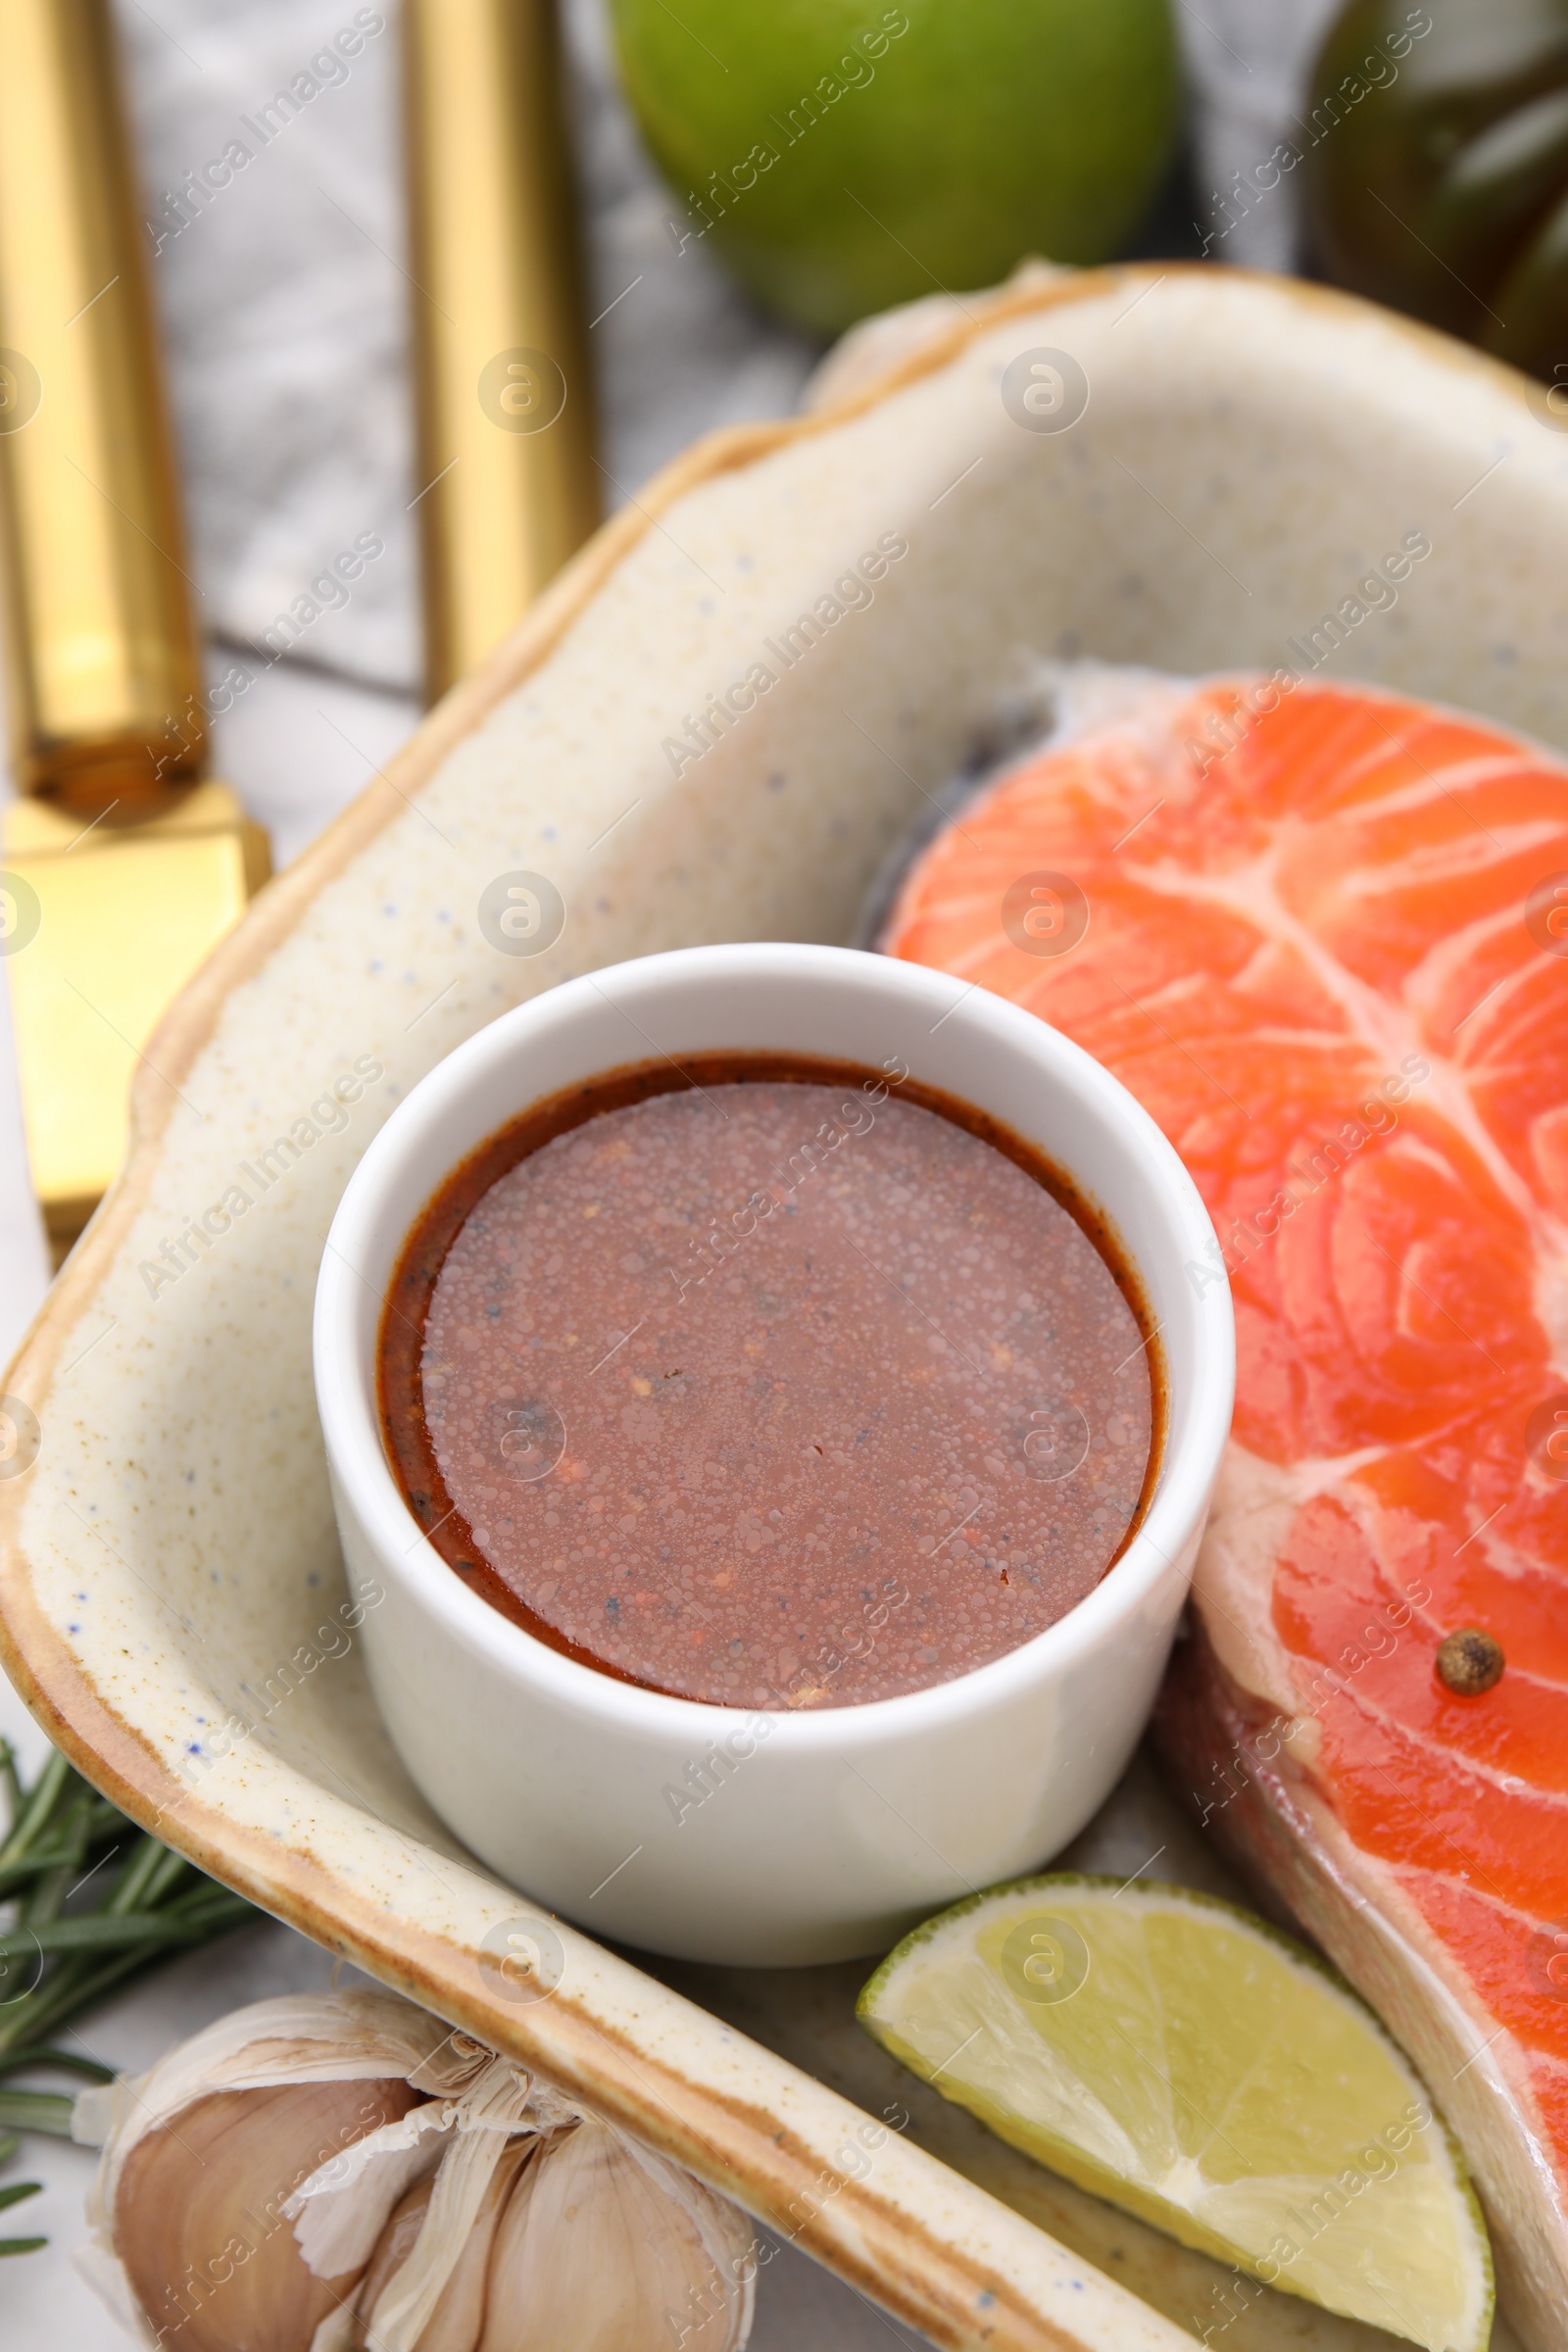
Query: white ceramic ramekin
{"points": [[823, 1834]]}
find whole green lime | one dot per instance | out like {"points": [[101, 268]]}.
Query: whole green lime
{"points": [[843, 156]]}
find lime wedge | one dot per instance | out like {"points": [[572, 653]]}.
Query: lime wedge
{"points": [[1181, 2059]]}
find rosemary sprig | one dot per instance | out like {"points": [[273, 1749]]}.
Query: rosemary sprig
{"points": [[14, 2196], [37, 2111], [67, 1946]]}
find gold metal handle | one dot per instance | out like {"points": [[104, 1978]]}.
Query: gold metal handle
{"points": [[507, 485], [105, 683]]}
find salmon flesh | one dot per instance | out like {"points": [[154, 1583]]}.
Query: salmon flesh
{"points": [[1321, 932]]}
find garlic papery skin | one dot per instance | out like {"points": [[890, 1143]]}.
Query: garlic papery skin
{"points": [[455, 2324], [186, 2234], [489, 2102], [605, 2247], [198, 2213]]}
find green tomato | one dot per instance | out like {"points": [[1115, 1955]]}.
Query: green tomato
{"points": [[1437, 170], [843, 156]]}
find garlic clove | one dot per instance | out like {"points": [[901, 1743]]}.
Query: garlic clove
{"points": [[602, 2247], [198, 2221], [343, 2208], [494, 2109], [396, 2244], [296, 2037], [455, 2324]]}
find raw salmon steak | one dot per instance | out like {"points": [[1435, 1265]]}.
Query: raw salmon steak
{"points": [[1322, 933]]}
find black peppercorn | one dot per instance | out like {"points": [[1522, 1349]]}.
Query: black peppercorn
{"points": [[1470, 1662]]}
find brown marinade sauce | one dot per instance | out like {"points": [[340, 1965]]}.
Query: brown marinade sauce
{"points": [[770, 1382]]}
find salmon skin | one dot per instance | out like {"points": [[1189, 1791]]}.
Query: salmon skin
{"points": [[1322, 933]]}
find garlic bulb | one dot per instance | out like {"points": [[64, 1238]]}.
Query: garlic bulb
{"points": [[604, 2247], [191, 2243], [342, 2173], [204, 2249]]}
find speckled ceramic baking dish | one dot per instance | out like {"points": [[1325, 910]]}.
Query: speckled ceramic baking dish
{"points": [[174, 1601]]}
